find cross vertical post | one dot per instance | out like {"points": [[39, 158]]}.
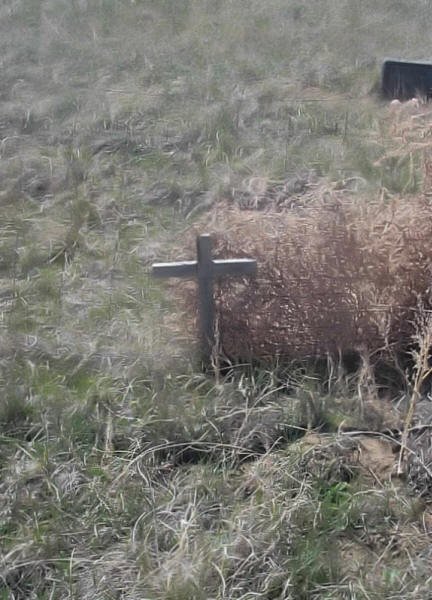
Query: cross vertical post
{"points": [[205, 292], [206, 270]]}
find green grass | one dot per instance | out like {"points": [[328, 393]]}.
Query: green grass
{"points": [[125, 471]]}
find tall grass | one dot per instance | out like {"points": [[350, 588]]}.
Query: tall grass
{"points": [[125, 471]]}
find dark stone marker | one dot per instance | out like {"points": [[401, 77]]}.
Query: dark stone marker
{"points": [[206, 270], [403, 80]]}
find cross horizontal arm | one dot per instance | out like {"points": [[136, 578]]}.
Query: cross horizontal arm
{"points": [[240, 266], [180, 269]]}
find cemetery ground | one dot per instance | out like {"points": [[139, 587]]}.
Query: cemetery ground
{"points": [[125, 470]]}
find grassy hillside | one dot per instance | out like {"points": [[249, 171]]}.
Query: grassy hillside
{"points": [[125, 471]]}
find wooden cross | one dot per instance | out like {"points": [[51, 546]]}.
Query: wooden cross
{"points": [[206, 270]]}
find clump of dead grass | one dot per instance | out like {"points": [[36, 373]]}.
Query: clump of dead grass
{"points": [[341, 274]]}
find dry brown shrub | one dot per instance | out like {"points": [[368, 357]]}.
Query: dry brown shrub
{"points": [[337, 275]]}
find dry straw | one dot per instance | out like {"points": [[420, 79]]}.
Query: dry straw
{"points": [[337, 273]]}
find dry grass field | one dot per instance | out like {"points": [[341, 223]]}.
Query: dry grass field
{"points": [[126, 470]]}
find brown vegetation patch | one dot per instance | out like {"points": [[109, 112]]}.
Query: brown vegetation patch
{"points": [[341, 274]]}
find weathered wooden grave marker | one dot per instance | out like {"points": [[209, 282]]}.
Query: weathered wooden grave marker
{"points": [[206, 270], [404, 80]]}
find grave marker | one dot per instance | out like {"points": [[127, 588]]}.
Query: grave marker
{"points": [[403, 80], [206, 270]]}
